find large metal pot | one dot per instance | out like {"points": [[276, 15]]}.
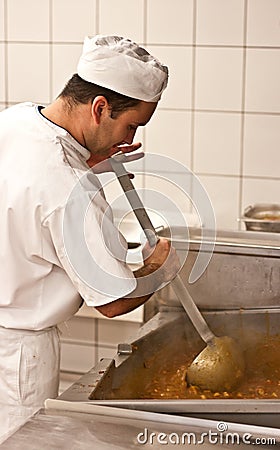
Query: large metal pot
{"points": [[244, 270], [239, 294], [125, 380]]}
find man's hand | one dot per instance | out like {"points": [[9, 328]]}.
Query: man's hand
{"points": [[164, 256], [161, 264], [105, 166]]}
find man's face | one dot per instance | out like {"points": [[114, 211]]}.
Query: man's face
{"points": [[112, 132]]}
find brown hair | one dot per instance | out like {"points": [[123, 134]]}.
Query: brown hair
{"points": [[78, 91]]}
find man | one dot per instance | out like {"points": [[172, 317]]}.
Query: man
{"points": [[50, 205]]}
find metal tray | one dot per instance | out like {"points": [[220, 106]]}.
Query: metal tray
{"points": [[262, 217], [112, 382]]}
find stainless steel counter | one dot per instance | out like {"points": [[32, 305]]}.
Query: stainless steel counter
{"points": [[82, 429]]}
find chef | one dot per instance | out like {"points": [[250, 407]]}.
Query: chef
{"points": [[59, 245]]}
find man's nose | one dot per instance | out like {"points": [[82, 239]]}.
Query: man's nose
{"points": [[130, 136]]}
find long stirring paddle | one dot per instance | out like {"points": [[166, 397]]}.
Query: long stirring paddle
{"points": [[220, 365]]}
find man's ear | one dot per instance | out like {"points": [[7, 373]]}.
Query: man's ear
{"points": [[99, 106]]}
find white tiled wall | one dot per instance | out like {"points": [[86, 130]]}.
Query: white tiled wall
{"points": [[179, 60], [31, 64], [220, 133], [122, 17], [262, 143], [64, 61], [2, 73], [262, 92], [72, 20], [2, 20], [174, 145], [85, 341], [263, 23], [171, 23], [218, 81], [28, 20], [220, 114]]}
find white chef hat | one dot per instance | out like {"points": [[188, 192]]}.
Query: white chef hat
{"points": [[121, 65]]}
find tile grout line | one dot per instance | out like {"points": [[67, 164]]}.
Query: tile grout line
{"points": [[97, 16], [51, 72], [167, 45], [242, 130], [6, 95], [96, 338], [145, 38], [220, 111], [210, 111], [193, 84], [223, 175], [145, 21]]}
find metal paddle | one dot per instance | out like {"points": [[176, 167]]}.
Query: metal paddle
{"points": [[220, 365]]}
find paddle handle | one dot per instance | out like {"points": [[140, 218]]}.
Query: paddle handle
{"points": [[177, 283], [191, 309]]}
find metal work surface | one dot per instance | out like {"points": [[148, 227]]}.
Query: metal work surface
{"points": [[56, 429]]}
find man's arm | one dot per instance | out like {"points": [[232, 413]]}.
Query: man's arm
{"points": [[159, 267]]}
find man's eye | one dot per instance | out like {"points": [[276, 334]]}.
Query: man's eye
{"points": [[133, 127]]}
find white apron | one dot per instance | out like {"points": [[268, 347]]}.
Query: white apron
{"points": [[29, 373]]}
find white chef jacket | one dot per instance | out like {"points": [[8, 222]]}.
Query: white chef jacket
{"points": [[41, 277]]}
